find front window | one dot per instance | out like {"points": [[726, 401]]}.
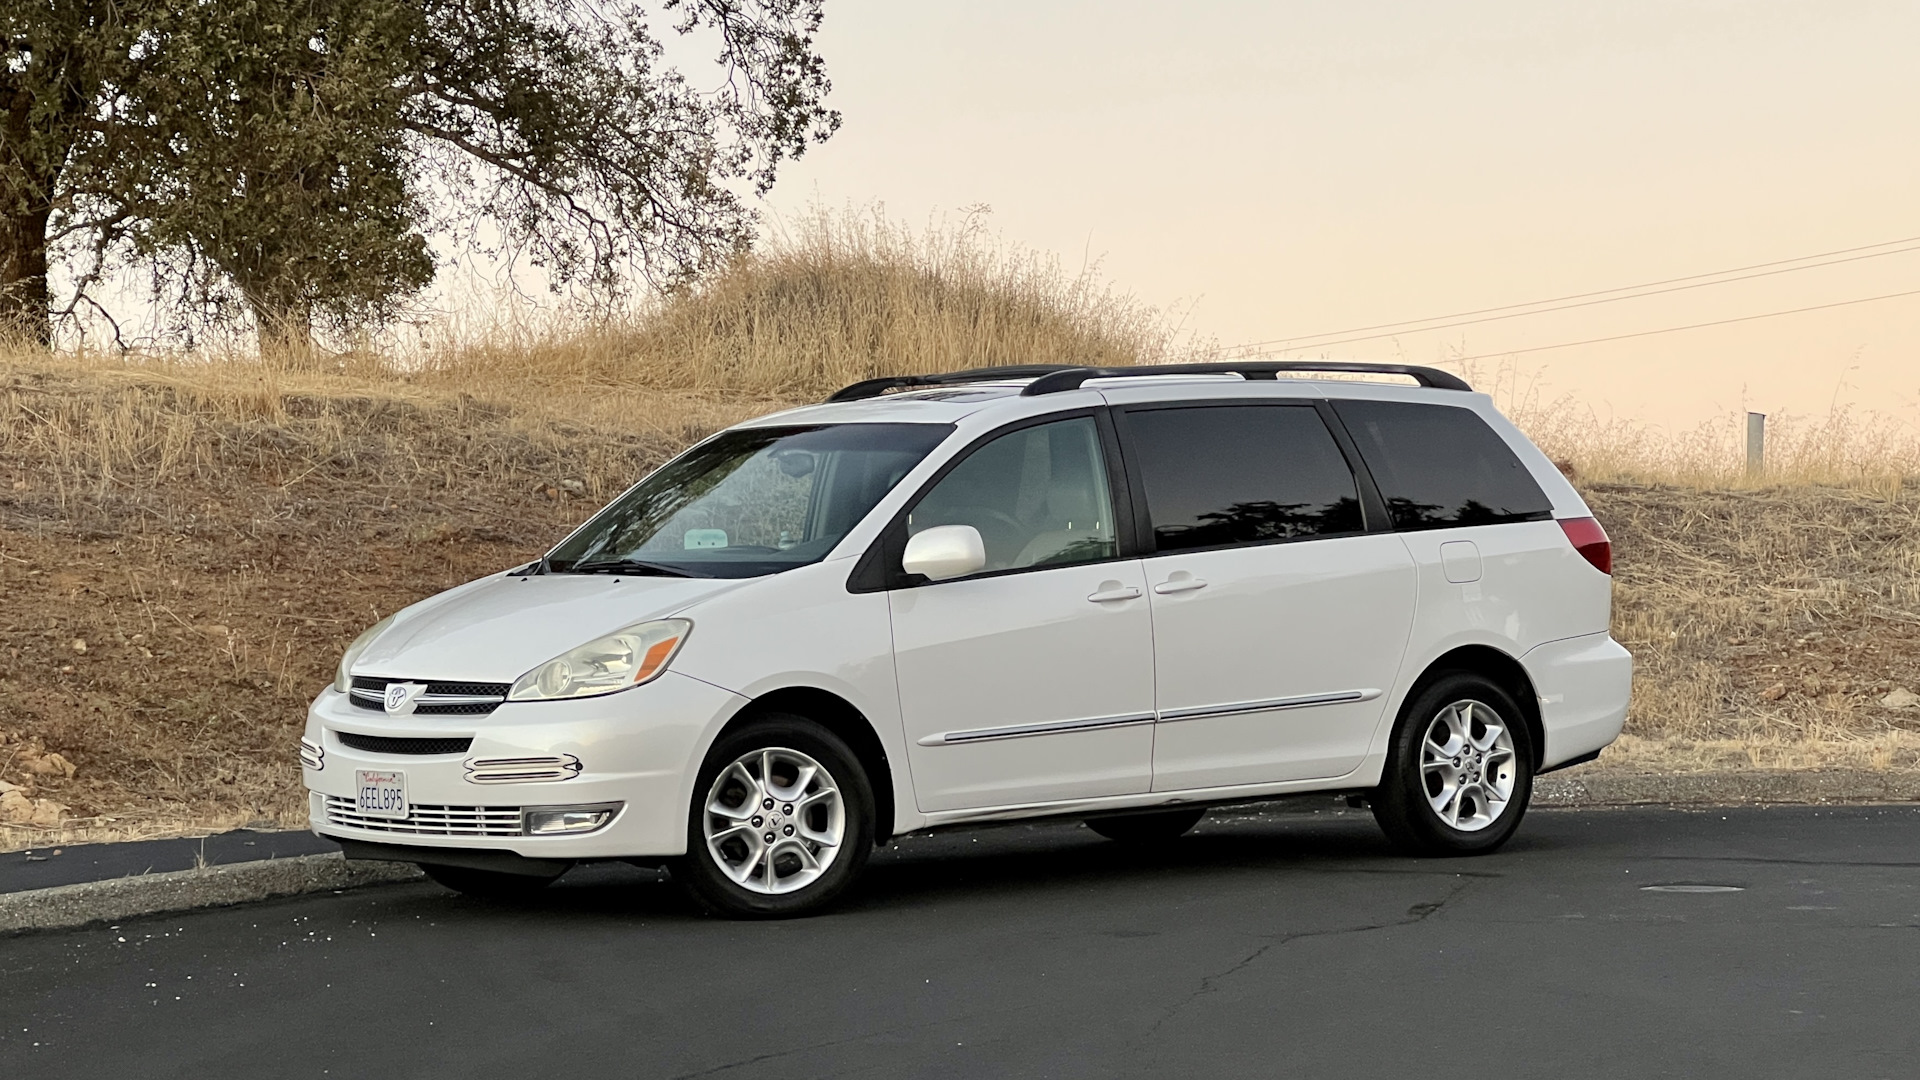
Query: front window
{"points": [[749, 502], [1038, 497]]}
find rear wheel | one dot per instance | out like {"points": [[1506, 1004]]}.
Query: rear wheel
{"points": [[1459, 772], [488, 884], [1160, 827], [781, 822]]}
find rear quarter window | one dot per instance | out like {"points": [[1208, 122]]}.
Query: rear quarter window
{"points": [[1441, 466]]}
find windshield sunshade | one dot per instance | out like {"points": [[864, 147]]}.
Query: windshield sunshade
{"points": [[749, 502]]}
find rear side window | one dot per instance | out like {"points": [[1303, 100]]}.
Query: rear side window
{"points": [[1440, 466], [1241, 474]]}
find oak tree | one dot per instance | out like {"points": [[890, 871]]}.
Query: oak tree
{"points": [[302, 152]]}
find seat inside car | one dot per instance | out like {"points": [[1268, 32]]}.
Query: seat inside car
{"points": [[1070, 517]]}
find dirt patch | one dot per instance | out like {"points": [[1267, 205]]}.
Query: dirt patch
{"points": [[180, 577]]}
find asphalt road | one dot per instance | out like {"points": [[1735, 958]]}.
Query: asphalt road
{"points": [[46, 868], [1263, 945]]}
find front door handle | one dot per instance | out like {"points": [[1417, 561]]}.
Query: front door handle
{"points": [[1125, 592], [1179, 584]]}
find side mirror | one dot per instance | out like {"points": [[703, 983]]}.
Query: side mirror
{"points": [[944, 551]]}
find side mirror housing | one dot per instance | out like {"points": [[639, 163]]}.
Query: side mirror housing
{"points": [[945, 551]]}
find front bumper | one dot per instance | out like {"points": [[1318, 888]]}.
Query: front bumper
{"points": [[639, 748]]}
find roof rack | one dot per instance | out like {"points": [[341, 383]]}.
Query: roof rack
{"points": [[872, 388], [1056, 378], [1070, 379]]}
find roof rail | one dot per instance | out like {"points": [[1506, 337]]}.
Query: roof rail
{"points": [[872, 388], [1070, 379]]}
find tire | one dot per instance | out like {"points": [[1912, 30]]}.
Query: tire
{"points": [[818, 791], [495, 885], [1434, 803], [1161, 827]]}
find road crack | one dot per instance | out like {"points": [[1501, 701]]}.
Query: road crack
{"points": [[1209, 984]]}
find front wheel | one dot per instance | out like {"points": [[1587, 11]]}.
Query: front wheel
{"points": [[1459, 772], [782, 820]]}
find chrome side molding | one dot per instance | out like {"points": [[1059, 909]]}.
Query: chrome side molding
{"points": [[1096, 723], [1021, 731], [1303, 701]]}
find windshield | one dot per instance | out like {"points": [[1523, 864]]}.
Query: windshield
{"points": [[749, 502]]}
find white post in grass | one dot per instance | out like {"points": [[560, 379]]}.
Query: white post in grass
{"points": [[1756, 443]]}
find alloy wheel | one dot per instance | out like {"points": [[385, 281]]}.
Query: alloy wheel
{"points": [[1467, 765], [774, 821]]}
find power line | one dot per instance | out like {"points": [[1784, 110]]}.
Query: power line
{"points": [[1590, 303], [1416, 325], [1690, 326]]}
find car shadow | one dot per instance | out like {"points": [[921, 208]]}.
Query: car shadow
{"points": [[1009, 861]]}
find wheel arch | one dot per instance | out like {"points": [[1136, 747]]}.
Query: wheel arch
{"points": [[839, 716], [1487, 661]]}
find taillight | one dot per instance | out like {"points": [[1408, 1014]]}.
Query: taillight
{"points": [[1590, 540]]}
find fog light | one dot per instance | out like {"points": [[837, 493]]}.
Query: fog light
{"points": [[564, 820]]}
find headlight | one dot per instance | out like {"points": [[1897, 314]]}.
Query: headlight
{"points": [[627, 658], [343, 676]]}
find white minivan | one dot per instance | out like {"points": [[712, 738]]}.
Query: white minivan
{"points": [[1123, 595]]}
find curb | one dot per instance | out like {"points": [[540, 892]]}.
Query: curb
{"points": [[1599, 788], [68, 906]]}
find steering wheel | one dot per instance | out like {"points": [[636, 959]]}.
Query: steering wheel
{"points": [[1006, 519], [1005, 535]]}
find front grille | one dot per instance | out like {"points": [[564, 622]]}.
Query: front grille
{"points": [[381, 744], [439, 699], [426, 820]]}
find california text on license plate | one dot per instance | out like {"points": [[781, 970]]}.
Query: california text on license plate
{"points": [[382, 792]]}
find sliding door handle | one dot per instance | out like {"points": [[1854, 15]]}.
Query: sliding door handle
{"points": [[1126, 592], [1179, 584]]}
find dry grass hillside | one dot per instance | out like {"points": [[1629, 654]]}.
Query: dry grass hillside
{"points": [[186, 544]]}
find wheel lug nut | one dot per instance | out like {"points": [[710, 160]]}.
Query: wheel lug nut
{"points": [[768, 805], [787, 809], [757, 821], [769, 838], [788, 830]]}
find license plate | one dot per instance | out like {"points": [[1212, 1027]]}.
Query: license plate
{"points": [[383, 793]]}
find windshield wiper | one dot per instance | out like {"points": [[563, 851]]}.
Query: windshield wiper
{"points": [[625, 566]]}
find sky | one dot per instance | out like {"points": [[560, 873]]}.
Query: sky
{"points": [[1266, 171]]}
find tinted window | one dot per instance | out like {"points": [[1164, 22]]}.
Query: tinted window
{"points": [[750, 501], [1038, 496], [1439, 466], [1241, 474]]}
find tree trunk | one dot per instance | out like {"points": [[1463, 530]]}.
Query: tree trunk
{"points": [[285, 330], [23, 276]]}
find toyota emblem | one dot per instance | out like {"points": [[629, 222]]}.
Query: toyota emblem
{"points": [[403, 697]]}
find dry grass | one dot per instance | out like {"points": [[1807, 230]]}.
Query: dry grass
{"points": [[1768, 625], [180, 564], [1844, 448], [215, 530], [846, 297]]}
